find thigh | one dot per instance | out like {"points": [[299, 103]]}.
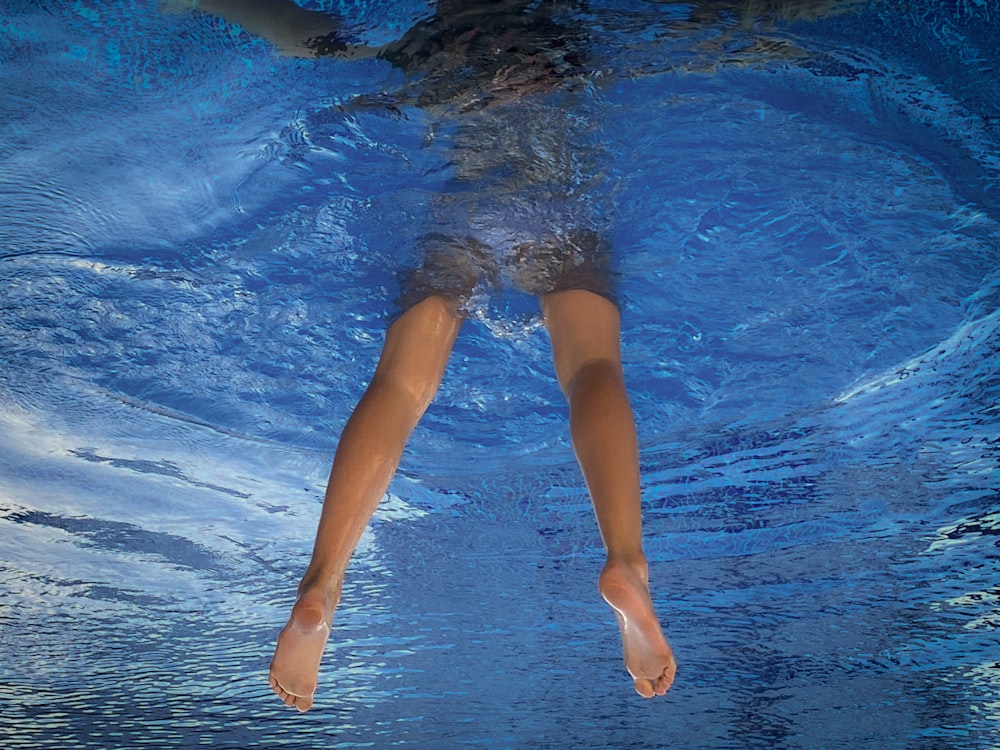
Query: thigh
{"points": [[584, 327], [417, 346]]}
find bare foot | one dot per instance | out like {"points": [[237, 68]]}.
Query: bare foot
{"points": [[648, 657], [295, 666]]}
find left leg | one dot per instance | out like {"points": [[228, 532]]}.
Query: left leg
{"points": [[584, 328], [409, 370]]}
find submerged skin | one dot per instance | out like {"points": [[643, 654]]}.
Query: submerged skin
{"points": [[584, 328]]}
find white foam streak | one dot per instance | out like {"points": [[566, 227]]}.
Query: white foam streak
{"points": [[966, 337]]}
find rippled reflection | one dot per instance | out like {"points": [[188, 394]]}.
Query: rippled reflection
{"points": [[201, 240]]}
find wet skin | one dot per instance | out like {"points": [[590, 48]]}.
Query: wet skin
{"points": [[539, 55], [584, 328]]}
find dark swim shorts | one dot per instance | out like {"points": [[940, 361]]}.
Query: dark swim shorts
{"points": [[456, 268]]}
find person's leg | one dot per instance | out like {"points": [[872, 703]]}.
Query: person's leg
{"points": [[584, 328], [409, 371]]}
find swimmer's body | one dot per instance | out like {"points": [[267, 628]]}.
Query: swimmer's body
{"points": [[579, 312], [584, 328]]}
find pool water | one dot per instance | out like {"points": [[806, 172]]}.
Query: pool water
{"points": [[200, 245]]}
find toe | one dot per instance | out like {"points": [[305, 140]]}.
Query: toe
{"points": [[664, 681], [644, 688], [276, 687], [300, 702], [287, 698]]}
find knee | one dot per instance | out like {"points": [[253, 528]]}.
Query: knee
{"points": [[599, 372], [408, 395]]}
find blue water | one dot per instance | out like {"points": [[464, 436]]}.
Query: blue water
{"points": [[200, 243]]}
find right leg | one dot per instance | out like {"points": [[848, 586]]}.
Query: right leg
{"points": [[409, 371], [584, 328]]}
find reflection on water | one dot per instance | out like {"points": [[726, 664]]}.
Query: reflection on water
{"points": [[200, 243]]}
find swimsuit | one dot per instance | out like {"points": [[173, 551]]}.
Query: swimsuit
{"points": [[500, 81]]}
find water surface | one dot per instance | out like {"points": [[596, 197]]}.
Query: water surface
{"points": [[200, 245]]}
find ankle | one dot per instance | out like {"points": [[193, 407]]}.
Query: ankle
{"points": [[315, 584], [634, 562]]}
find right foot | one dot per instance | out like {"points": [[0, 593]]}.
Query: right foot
{"points": [[295, 666], [648, 657]]}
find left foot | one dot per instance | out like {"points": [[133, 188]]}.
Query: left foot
{"points": [[648, 657], [295, 666]]}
